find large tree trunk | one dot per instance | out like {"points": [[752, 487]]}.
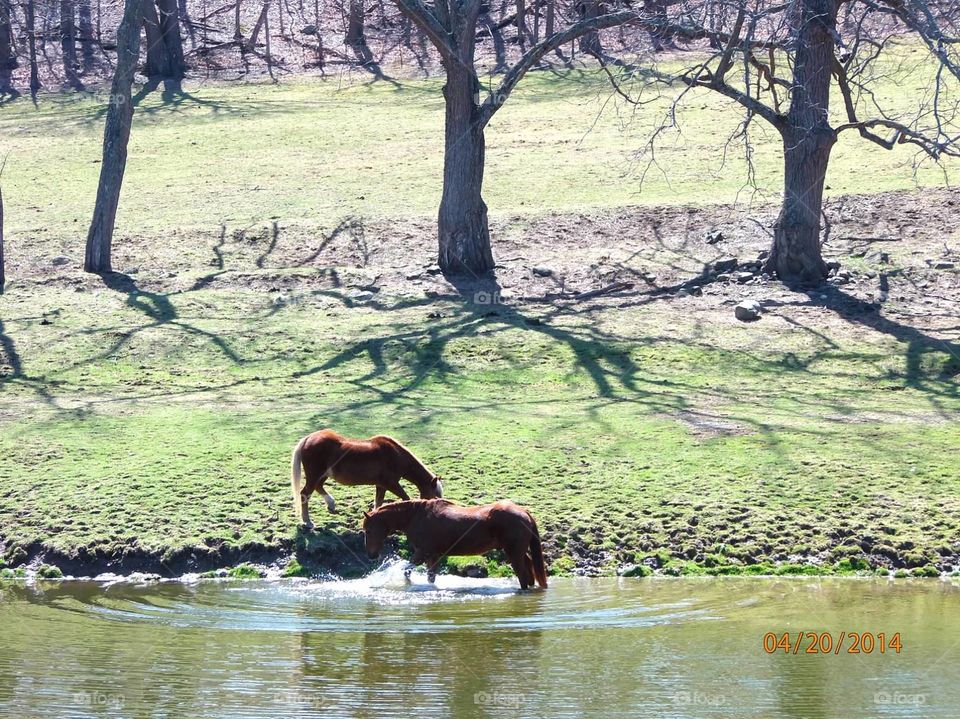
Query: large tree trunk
{"points": [[32, 47], [172, 42], [796, 256], [116, 134], [807, 139], [463, 229], [8, 57]]}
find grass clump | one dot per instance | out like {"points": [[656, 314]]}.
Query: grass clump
{"points": [[245, 571], [48, 571], [294, 569]]}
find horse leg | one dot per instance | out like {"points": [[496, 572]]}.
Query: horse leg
{"points": [[432, 569], [416, 559], [393, 484], [381, 493], [331, 505], [308, 488]]}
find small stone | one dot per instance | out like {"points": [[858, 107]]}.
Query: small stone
{"points": [[308, 30], [433, 269], [370, 288], [726, 264], [744, 277], [542, 271], [748, 311], [60, 260], [714, 236], [361, 296], [943, 265], [723, 278]]}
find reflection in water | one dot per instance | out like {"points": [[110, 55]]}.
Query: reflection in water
{"points": [[376, 648]]}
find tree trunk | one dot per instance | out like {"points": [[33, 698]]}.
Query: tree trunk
{"points": [[499, 47], [32, 47], [8, 56], [355, 38], [251, 44], [85, 27], [68, 43], [464, 233], [795, 256], [172, 42], [157, 64], [521, 24], [590, 42], [116, 134]]}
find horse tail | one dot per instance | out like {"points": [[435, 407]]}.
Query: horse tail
{"points": [[536, 554], [296, 467]]}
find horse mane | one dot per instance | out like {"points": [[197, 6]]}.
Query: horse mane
{"points": [[414, 461]]}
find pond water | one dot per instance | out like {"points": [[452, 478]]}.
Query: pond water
{"points": [[376, 647]]}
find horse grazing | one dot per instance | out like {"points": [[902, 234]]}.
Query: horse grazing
{"points": [[438, 528], [379, 460]]}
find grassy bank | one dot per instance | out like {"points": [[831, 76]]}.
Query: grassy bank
{"points": [[153, 414]]}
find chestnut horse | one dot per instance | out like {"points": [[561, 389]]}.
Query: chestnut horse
{"points": [[437, 528], [379, 460]]}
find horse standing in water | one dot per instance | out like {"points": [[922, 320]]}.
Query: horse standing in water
{"points": [[380, 460], [438, 528]]}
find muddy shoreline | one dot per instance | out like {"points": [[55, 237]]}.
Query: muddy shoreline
{"points": [[343, 555]]}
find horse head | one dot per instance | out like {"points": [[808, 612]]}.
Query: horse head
{"points": [[374, 534]]}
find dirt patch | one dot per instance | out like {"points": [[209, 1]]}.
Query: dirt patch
{"points": [[898, 255]]}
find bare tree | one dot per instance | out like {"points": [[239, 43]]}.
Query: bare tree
{"points": [[31, 18], [451, 27], [779, 62], [116, 135], [8, 54], [68, 43]]}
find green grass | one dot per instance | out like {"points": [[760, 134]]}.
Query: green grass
{"points": [[313, 152], [178, 434]]}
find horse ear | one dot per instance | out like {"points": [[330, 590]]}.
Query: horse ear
{"points": [[366, 515]]}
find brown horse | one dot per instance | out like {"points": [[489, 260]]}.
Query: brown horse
{"points": [[438, 528], [379, 460]]}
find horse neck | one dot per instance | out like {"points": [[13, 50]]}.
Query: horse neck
{"points": [[397, 515], [413, 468]]}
